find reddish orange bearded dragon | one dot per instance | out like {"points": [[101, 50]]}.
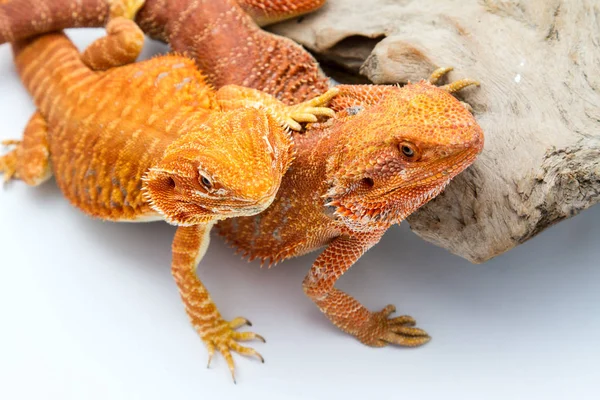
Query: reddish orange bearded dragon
{"points": [[387, 151], [152, 141]]}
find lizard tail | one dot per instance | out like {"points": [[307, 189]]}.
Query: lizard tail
{"points": [[49, 67], [20, 19]]}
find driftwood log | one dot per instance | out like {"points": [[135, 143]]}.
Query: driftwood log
{"points": [[539, 102]]}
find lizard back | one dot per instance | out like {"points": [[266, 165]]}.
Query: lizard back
{"points": [[106, 129]]}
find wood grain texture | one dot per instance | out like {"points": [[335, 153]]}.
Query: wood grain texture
{"points": [[350, 179], [539, 103]]}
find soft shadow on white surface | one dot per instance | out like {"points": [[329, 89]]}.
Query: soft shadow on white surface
{"points": [[89, 310]]}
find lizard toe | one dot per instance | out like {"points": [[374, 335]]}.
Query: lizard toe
{"points": [[8, 165], [310, 110], [382, 330], [225, 340]]}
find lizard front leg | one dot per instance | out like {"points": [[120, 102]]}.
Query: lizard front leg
{"points": [[121, 45], [30, 160], [233, 96], [371, 328], [189, 246]]}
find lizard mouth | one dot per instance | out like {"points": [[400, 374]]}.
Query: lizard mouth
{"points": [[444, 169], [390, 207], [241, 207]]}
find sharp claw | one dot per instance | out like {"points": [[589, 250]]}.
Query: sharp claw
{"points": [[327, 112], [259, 356], [211, 352], [439, 73], [239, 321], [293, 125], [245, 336], [226, 342]]}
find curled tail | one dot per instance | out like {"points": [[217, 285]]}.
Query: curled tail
{"points": [[21, 19], [49, 66]]}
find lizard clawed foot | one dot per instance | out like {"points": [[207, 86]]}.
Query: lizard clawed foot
{"points": [[309, 110], [8, 162], [380, 330], [10, 142], [224, 338], [454, 86]]}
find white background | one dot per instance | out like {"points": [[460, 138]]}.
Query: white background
{"points": [[89, 311]]}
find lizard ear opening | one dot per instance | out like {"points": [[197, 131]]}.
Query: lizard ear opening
{"points": [[160, 187], [166, 195]]}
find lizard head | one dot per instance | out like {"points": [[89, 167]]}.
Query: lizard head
{"points": [[399, 154], [230, 165]]}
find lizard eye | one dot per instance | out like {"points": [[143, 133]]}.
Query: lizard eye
{"points": [[206, 182], [409, 151]]}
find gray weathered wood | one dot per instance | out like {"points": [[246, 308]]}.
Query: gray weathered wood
{"points": [[539, 103]]}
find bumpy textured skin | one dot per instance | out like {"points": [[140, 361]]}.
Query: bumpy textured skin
{"points": [[226, 43], [121, 46], [265, 12], [350, 180], [153, 141]]}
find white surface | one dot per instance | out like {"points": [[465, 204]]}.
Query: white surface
{"points": [[89, 310]]}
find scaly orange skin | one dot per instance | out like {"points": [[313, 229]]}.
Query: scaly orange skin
{"points": [[152, 141], [350, 182], [326, 199], [226, 43]]}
